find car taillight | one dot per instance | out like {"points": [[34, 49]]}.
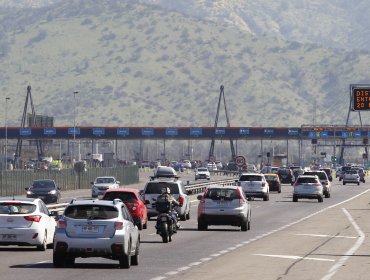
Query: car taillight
{"points": [[326, 182], [239, 195], [62, 223], [33, 218], [181, 200], [118, 225]]}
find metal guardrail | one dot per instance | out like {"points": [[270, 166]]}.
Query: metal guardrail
{"points": [[192, 189]]}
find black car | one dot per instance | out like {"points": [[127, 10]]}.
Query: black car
{"points": [[285, 175], [45, 189]]}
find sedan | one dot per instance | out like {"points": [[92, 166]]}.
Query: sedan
{"points": [[134, 203], [224, 205], [351, 176], [45, 189], [26, 222]]}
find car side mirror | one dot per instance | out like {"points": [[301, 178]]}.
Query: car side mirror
{"points": [[118, 182], [199, 197], [92, 183]]}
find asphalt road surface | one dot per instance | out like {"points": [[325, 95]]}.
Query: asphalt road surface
{"points": [[303, 240]]}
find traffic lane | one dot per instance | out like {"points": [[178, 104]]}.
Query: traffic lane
{"points": [[329, 245], [189, 245]]}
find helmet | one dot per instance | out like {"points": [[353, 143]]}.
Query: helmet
{"points": [[166, 190]]}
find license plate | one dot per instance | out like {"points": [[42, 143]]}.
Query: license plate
{"points": [[92, 229], [9, 237], [221, 202]]}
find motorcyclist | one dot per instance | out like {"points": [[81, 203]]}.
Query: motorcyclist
{"points": [[166, 197]]}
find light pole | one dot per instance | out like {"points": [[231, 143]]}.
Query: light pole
{"points": [[6, 132], [74, 123]]}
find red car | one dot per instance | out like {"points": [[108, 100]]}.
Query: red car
{"points": [[134, 203]]}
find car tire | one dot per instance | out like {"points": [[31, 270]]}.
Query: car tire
{"points": [[135, 258], [187, 216], [145, 226], [58, 260], [266, 197], [340, 179], [327, 195], [43, 246], [320, 199], [279, 191], [125, 260], [295, 198], [140, 225], [358, 183], [344, 183], [70, 261], [202, 225], [244, 225], [183, 217]]}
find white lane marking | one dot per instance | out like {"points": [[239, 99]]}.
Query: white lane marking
{"points": [[215, 255], [158, 278], [183, 268], [172, 273], [223, 251], [295, 257], [151, 233], [324, 235], [350, 252], [282, 227], [194, 263]]}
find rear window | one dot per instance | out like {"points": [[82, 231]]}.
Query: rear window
{"points": [[306, 180], [16, 208], [322, 175], [345, 168], [156, 187], [250, 178], [284, 171], [91, 212], [271, 178], [218, 194], [124, 196], [351, 172]]}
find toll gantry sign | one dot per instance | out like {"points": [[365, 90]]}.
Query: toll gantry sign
{"points": [[360, 97]]}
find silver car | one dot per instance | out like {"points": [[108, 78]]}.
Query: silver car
{"points": [[223, 205], [308, 186], [254, 185], [96, 228], [351, 176]]}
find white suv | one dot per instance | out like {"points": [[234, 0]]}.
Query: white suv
{"points": [[101, 184], [254, 185], [153, 189], [308, 186], [202, 173], [96, 228]]}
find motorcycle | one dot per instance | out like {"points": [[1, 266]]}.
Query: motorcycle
{"points": [[166, 227]]}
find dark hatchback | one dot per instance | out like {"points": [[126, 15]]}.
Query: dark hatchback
{"points": [[45, 189]]}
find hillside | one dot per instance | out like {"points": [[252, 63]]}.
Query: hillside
{"points": [[136, 64]]}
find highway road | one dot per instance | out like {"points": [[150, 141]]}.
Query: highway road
{"points": [[287, 240]]}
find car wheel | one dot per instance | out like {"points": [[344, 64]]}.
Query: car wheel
{"points": [[183, 217], [145, 226], [295, 198], [344, 183], [125, 260], [358, 183], [244, 226], [202, 225], [140, 224], [70, 261], [135, 258], [279, 191], [266, 197], [43, 246], [340, 179], [187, 216], [58, 260], [327, 195], [320, 199]]}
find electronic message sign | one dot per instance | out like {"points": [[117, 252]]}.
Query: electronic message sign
{"points": [[360, 97]]}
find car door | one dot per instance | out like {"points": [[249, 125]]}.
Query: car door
{"points": [[48, 222], [132, 229]]}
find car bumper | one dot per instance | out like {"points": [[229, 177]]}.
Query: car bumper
{"points": [[232, 220], [255, 194], [23, 236], [46, 198]]}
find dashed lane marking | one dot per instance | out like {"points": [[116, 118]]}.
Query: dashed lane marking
{"points": [[295, 257], [324, 235]]}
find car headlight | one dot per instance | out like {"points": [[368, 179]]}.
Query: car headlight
{"points": [[29, 192], [52, 192]]}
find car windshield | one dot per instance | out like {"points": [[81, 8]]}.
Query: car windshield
{"points": [[104, 180], [156, 187], [124, 196], [250, 178], [43, 185], [222, 193], [306, 180], [91, 212], [16, 208]]}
